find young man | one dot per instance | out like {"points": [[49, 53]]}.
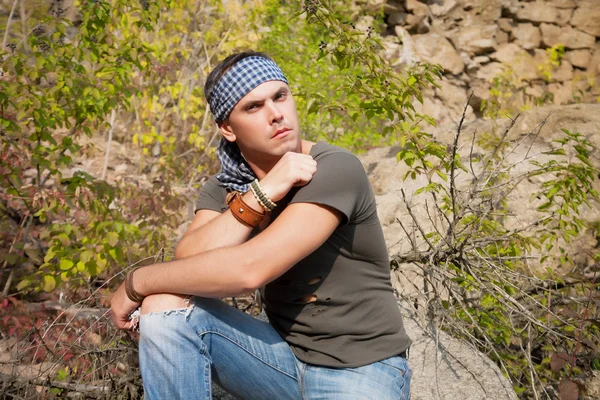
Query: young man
{"points": [[295, 217]]}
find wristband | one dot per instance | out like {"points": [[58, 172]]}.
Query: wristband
{"points": [[242, 211], [130, 291], [261, 197]]}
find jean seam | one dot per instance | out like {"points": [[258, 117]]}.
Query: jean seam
{"points": [[402, 371], [247, 351]]}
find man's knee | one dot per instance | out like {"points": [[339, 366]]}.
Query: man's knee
{"points": [[164, 302]]}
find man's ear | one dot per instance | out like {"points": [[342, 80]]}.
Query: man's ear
{"points": [[227, 131]]}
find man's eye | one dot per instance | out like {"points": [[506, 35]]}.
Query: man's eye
{"points": [[252, 107], [281, 95]]}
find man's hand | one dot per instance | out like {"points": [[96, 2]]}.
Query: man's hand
{"points": [[293, 169], [121, 307]]}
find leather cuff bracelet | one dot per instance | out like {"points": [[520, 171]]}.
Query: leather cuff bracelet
{"points": [[242, 211], [129, 290]]}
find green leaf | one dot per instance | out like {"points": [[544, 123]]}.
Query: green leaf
{"points": [[113, 238], [66, 264], [86, 256], [48, 283]]}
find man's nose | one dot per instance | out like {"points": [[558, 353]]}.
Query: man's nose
{"points": [[275, 113]]}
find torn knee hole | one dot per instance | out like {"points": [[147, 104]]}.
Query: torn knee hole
{"points": [[166, 303]]}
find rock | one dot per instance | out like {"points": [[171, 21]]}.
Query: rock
{"points": [[569, 37], [453, 97], [407, 53], [564, 4], [416, 7], [437, 49], [537, 12], [563, 16], [396, 18], [527, 36], [413, 21], [505, 24], [476, 39], [489, 71], [393, 6], [592, 388], [562, 92], [501, 37], [516, 58], [460, 372], [442, 9], [579, 58], [587, 19], [563, 73], [594, 66]]}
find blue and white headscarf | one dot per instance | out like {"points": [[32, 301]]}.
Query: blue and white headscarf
{"points": [[237, 82]]}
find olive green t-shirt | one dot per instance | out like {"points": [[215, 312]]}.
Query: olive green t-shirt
{"points": [[355, 319]]}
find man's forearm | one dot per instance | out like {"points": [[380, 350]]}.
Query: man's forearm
{"points": [[223, 231], [217, 273]]}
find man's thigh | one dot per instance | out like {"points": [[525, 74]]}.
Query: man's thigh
{"points": [[384, 380], [248, 358]]}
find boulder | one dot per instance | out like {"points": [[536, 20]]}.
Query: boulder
{"points": [[490, 71], [441, 9], [475, 39], [587, 19], [563, 4], [447, 368], [453, 96], [436, 49], [396, 18], [501, 37], [570, 37], [594, 66], [516, 58], [563, 73], [579, 58], [527, 36], [562, 92], [505, 24], [417, 8], [563, 16], [537, 12], [393, 6]]}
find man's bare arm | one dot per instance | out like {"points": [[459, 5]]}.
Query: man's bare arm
{"points": [[298, 231], [211, 230]]}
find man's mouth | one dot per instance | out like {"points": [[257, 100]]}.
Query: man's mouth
{"points": [[281, 132]]}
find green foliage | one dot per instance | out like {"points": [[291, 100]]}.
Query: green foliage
{"points": [[57, 87], [346, 92], [480, 281]]}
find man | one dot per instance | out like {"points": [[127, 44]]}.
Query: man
{"points": [[295, 217]]}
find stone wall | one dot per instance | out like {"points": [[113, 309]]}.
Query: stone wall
{"points": [[477, 40]]}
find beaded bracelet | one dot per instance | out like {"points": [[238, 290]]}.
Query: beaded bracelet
{"points": [[261, 197]]}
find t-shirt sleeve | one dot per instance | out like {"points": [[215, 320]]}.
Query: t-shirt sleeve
{"points": [[341, 183], [211, 197]]}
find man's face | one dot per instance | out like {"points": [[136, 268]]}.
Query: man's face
{"points": [[264, 123]]}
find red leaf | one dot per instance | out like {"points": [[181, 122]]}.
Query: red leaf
{"points": [[558, 360], [567, 390]]}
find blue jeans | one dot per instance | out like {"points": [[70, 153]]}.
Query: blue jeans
{"points": [[183, 351]]}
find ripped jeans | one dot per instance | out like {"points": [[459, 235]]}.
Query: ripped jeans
{"points": [[183, 351]]}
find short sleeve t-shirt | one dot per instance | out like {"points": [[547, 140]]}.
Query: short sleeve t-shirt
{"points": [[354, 319]]}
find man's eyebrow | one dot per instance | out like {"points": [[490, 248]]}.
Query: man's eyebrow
{"points": [[248, 103]]}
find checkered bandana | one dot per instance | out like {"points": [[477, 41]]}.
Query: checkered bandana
{"points": [[244, 76], [235, 174]]}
